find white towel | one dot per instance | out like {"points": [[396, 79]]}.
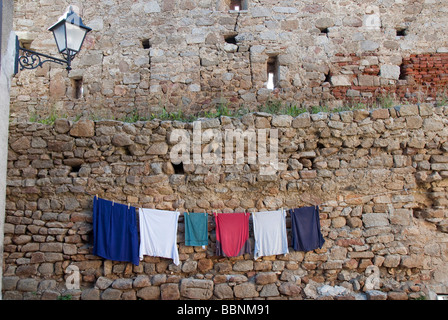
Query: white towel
{"points": [[270, 233], [158, 234]]}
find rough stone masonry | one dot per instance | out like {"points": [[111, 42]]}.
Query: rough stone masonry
{"points": [[143, 56], [381, 177]]}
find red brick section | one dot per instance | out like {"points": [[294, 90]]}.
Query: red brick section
{"points": [[427, 69], [426, 74]]}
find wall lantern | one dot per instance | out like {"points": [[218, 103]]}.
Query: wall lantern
{"points": [[69, 33]]}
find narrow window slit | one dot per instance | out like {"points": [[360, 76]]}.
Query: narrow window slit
{"points": [[403, 74], [238, 5], [77, 86], [272, 73], [146, 44], [328, 77]]}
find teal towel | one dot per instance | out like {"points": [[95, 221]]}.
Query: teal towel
{"points": [[196, 229]]}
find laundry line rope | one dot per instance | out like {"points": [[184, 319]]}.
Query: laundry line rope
{"points": [[314, 203]]}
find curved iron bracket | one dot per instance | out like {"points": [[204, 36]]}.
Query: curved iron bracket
{"points": [[29, 59]]}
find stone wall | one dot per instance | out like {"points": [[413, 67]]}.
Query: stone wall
{"points": [[143, 56], [7, 49], [380, 177]]}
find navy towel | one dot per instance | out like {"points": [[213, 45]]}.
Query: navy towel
{"points": [[115, 232], [305, 227]]}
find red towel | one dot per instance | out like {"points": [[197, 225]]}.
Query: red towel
{"points": [[232, 234]]}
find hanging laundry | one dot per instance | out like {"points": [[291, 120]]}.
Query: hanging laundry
{"points": [[196, 229], [305, 227], [115, 232], [158, 234], [232, 234], [270, 233]]}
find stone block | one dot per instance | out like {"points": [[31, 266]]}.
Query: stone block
{"points": [[131, 78], [341, 80], [380, 114], [103, 283], [369, 45], [269, 290], [368, 81], [265, 278], [262, 123], [223, 291], [111, 294], [407, 110], [243, 266], [375, 220], [324, 23], [196, 289], [432, 125], [152, 7], [9, 283], [27, 285], [412, 261], [390, 72], [149, 293], [141, 281], [83, 128], [376, 295], [401, 217], [122, 284], [169, 291], [90, 294], [290, 289], [21, 144], [122, 140], [259, 12], [245, 290], [159, 148], [93, 58], [394, 295], [281, 121]]}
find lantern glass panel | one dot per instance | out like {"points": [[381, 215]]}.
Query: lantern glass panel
{"points": [[75, 37], [59, 36]]}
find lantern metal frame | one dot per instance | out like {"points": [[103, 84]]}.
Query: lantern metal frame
{"points": [[29, 59]]}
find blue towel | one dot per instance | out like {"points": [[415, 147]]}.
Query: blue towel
{"points": [[115, 232], [305, 227], [196, 229]]}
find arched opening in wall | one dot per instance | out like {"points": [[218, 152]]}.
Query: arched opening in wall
{"points": [[401, 32], [76, 168], [178, 168], [272, 73], [230, 39], [324, 31]]}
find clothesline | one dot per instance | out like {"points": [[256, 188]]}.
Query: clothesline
{"points": [[314, 203], [117, 232]]}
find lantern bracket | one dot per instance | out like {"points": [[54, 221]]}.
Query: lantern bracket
{"points": [[29, 59]]}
